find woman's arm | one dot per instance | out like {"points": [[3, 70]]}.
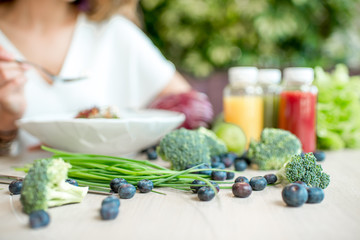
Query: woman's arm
{"points": [[12, 99], [177, 84]]}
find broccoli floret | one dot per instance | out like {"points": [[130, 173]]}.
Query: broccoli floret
{"points": [[44, 186], [183, 148], [304, 169], [276, 146], [215, 144]]}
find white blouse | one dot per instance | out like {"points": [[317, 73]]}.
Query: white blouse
{"points": [[123, 66]]}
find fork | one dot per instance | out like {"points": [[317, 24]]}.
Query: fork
{"points": [[53, 77]]}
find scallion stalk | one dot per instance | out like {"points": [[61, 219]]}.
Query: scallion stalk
{"points": [[97, 171]]}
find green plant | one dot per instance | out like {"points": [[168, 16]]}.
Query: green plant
{"points": [[201, 36], [216, 145], [97, 171], [183, 148], [276, 147], [304, 169], [44, 186], [338, 110]]}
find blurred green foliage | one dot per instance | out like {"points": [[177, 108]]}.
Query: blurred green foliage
{"points": [[201, 36]]}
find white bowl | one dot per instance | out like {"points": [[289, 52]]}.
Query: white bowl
{"points": [[134, 131]]}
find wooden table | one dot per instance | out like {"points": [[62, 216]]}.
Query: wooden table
{"points": [[180, 215]]}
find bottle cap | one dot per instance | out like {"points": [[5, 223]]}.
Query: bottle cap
{"points": [[298, 75], [269, 76], [243, 75]]}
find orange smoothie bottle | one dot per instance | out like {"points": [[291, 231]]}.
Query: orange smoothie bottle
{"points": [[243, 103]]}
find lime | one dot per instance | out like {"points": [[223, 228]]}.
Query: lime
{"points": [[233, 136]]}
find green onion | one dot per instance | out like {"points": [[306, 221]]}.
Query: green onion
{"points": [[97, 171]]}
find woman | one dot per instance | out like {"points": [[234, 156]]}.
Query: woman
{"points": [[76, 38]]}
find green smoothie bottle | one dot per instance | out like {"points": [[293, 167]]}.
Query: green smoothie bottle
{"points": [[269, 80]]}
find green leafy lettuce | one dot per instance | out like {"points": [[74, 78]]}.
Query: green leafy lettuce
{"points": [[338, 111]]}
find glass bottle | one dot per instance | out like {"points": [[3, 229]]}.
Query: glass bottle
{"points": [[243, 104], [297, 107], [269, 80]]}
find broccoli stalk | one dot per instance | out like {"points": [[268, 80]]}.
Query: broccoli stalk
{"points": [[183, 148], [275, 148], [304, 169], [44, 186]]}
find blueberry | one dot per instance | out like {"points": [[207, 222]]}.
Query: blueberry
{"points": [[294, 195], [228, 159], [15, 187], [198, 167], [145, 186], [203, 166], [240, 165], [315, 195], [319, 155], [72, 181], [196, 188], [270, 178], [218, 165], [215, 159], [206, 193], [258, 183], [115, 184], [216, 185], [242, 179], [146, 149], [126, 191], [218, 175], [109, 212], [151, 154], [301, 183], [241, 189], [190, 166], [232, 155], [194, 165], [230, 175], [245, 158], [206, 172], [228, 162], [39, 219], [111, 200]]}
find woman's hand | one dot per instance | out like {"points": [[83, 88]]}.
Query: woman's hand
{"points": [[12, 99]]}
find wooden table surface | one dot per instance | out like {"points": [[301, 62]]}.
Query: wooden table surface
{"points": [[180, 215]]}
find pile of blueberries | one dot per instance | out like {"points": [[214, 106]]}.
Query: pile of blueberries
{"points": [[242, 187], [227, 160], [127, 190], [223, 161], [110, 205], [298, 193], [295, 194], [204, 192]]}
